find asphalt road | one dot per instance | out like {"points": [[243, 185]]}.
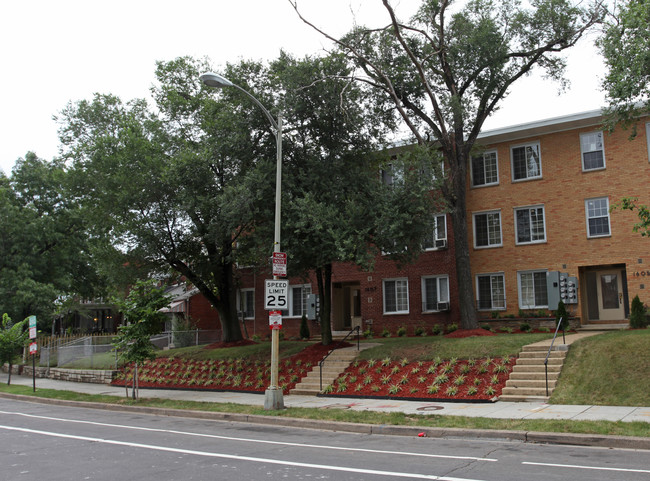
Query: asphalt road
{"points": [[45, 442]]}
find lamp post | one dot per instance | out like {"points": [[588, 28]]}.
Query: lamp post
{"points": [[273, 399]]}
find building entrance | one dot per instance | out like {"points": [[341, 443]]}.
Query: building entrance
{"points": [[606, 296]]}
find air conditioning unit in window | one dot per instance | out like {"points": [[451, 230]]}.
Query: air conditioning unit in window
{"points": [[441, 243], [443, 306]]}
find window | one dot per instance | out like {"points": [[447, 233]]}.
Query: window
{"points": [[438, 238], [297, 300], [435, 293], [485, 170], [526, 162], [246, 303], [529, 225], [593, 154], [391, 174], [491, 291], [396, 296], [597, 211], [487, 229], [532, 290]]}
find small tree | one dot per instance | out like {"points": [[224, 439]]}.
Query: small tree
{"points": [[561, 315], [638, 319], [12, 338], [304, 328], [141, 309]]}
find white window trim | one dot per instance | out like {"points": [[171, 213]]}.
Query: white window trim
{"points": [[240, 296], [471, 164], [424, 290], [505, 299], [435, 231], [528, 207], [289, 311], [485, 212], [519, 293], [609, 223], [383, 296], [512, 161], [582, 153]]}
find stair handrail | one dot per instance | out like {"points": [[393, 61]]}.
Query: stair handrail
{"points": [[557, 329], [338, 344]]}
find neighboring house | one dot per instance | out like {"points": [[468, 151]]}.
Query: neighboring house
{"points": [[540, 229], [189, 308]]}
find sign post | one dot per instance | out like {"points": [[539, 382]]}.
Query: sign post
{"points": [[33, 348]]}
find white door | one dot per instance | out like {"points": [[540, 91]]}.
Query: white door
{"points": [[610, 295]]}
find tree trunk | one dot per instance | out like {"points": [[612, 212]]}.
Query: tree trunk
{"points": [[324, 279], [9, 375], [468, 313]]}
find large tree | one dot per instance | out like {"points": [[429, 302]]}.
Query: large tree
{"points": [[336, 208], [45, 251], [626, 48], [177, 185], [447, 70]]}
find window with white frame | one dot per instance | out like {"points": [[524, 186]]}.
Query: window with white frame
{"points": [[597, 211], [529, 225], [526, 162], [297, 300], [246, 302], [491, 291], [487, 229], [396, 296], [532, 289], [593, 152], [438, 237], [435, 293], [485, 170]]}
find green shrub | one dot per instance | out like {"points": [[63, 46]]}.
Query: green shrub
{"points": [[452, 327], [638, 318], [436, 330], [486, 327], [420, 331], [561, 313], [368, 333], [525, 327], [304, 328], [401, 331], [385, 332]]}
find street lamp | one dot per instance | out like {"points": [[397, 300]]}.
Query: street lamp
{"points": [[273, 399]]}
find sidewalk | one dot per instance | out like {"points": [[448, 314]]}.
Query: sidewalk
{"points": [[497, 410]]}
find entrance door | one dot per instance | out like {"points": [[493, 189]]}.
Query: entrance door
{"points": [[609, 285]]}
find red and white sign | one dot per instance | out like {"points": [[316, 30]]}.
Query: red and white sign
{"points": [[32, 333], [275, 319], [280, 264], [33, 348]]}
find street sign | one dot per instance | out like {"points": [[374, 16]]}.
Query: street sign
{"points": [[33, 348], [280, 264], [276, 294], [275, 319], [32, 327]]}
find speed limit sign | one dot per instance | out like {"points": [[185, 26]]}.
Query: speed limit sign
{"points": [[276, 295]]}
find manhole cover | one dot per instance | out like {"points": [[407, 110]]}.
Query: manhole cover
{"points": [[432, 407]]}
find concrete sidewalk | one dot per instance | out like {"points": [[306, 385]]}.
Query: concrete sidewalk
{"points": [[497, 410]]}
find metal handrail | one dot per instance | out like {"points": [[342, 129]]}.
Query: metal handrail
{"points": [[559, 324], [320, 364]]}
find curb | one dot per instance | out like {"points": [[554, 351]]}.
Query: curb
{"points": [[590, 440]]}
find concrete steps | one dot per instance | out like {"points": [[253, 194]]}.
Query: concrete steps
{"points": [[333, 367], [527, 382]]}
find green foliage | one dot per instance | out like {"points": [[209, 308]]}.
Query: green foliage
{"points": [[525, 327], [385, 332], [452, 327], [626, 48], [638, 319], [304, 327], [562, 314], [12, 339], [401, 331], [643, 213], [436, 330]]}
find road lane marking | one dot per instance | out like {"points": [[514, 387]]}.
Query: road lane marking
{"points": [[595, 468], [248, 440], [237, 457]]}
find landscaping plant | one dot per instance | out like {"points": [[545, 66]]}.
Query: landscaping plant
{"points": [[12, 338]]}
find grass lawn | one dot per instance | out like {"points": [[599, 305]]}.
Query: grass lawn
{"points": [[611, 369]]}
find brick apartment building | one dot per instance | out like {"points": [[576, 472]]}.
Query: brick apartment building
{"points": [[538, 211]]}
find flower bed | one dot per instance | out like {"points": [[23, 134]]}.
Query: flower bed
{"points": [[467, 380], [222, 374]]}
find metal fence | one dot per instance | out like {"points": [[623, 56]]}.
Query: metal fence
{"points": [[97, 352]]}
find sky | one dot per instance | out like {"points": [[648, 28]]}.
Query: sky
{"points": [[55, 52]]}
